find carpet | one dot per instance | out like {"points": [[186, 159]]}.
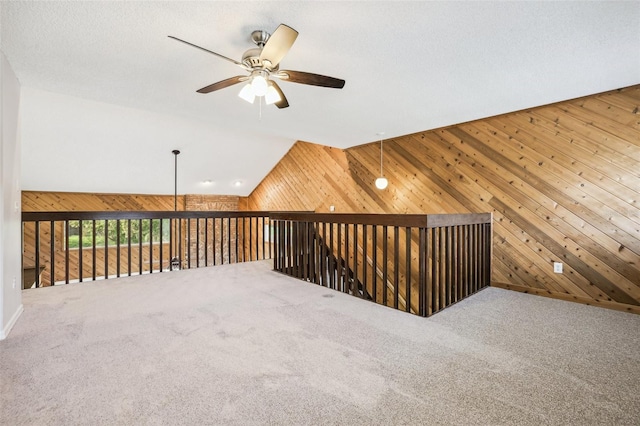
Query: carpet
{"points": [[243, 345]]}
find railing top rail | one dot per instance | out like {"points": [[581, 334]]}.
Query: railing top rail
{"points": [[355, 218], [124, 215], [403, 220], [455, 219]]}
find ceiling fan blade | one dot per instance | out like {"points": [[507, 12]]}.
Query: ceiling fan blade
{"points": [[278, 44], [209, 51], [282, 103], [311, 79], [222, 84]]}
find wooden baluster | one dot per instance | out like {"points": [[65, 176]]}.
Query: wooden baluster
{"points": [[346, 260], [385, 260], [140, 253], [374, 274], [66, 252], [422, 278], [340, 272], [332, 263], [129, 247], [118, 248], [408, 269], [93, 250], [365, 260], [80, 251], [37, 254], [396, 268], [52, 255]]}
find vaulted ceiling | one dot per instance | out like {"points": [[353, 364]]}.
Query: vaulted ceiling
{"points": [[106, 95]]}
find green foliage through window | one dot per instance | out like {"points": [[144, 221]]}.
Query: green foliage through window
{"points": [[150, 230]]}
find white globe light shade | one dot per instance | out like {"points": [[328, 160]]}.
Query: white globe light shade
{"points": [[247, 93], [259, 85], [272, 96], [381, 182]]}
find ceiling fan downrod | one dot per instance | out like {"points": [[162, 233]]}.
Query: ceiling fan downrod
{"points": [[260, 37]]}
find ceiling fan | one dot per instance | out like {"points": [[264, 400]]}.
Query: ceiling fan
{"points": [[262, 63]]}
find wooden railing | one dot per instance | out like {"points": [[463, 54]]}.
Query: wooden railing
{"points": [[416, 263], [63, 247]]}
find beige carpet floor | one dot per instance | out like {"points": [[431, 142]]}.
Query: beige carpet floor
{"points": [[242, 345]]}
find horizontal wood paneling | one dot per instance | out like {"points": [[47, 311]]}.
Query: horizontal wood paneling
{"points": [[563, 183], [34, 201]]}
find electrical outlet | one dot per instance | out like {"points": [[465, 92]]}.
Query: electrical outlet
{"points": [[332, 208], [557, 267], [14, 282]]}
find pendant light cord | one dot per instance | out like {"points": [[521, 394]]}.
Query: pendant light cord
{"points": [[381, 158], [175, 180]]}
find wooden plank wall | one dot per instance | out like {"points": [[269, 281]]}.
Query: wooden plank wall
{"points": [[40, 201], [563, 183], [37, 201]]}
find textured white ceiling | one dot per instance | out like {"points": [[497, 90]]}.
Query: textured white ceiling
{"points": [[408, 66]]}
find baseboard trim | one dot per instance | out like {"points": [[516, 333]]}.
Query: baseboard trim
{"points": [[7, 328], [570, 298]]}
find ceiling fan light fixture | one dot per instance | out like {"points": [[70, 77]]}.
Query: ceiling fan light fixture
{"points": [[247, 93], [259, 85], [272, 96]]}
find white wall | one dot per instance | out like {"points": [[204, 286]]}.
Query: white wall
{"points": [[81, 145], [10, 220]]}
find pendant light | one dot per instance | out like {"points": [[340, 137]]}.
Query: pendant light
{"points": [[175, 261], [381, 182]]}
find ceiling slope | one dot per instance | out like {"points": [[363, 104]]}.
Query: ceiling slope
{"points": [[107, 93]]}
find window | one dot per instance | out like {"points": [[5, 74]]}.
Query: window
{"points": [[150, 232]]}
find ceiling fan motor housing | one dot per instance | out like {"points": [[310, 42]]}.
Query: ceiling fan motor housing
{"points": [[251, 58]]}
